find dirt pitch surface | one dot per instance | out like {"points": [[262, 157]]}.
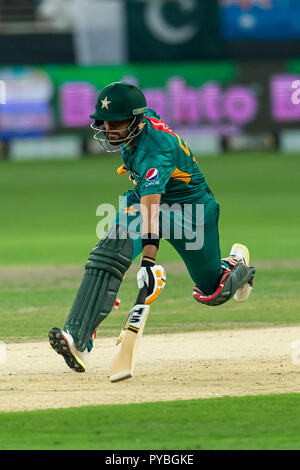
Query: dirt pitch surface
{"points": [[169, 367]]}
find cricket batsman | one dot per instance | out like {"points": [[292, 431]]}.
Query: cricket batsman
{"points": [[164, 203]]}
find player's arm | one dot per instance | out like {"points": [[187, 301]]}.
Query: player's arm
{"points": [[150, 224], [150, 273]]}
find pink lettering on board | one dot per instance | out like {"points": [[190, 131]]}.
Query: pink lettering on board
{"points": [[156, 100], [77, 103], [183, 102], [211, 99], [183, 105], [283, 108]]}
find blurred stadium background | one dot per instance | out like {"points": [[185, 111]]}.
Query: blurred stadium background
{"points": [[220, 71], [224, 74]]}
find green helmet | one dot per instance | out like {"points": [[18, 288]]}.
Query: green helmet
{"points": [[119, 101]]}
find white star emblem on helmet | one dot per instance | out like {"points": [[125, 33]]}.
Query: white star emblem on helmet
{"points": [[105, 103]]}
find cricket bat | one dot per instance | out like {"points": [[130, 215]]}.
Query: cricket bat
{"points": [[123, 362]]}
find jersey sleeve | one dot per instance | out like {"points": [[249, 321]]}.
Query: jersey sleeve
{"points": [[155, 173]]}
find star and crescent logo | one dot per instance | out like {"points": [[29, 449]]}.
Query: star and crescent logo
{"points": [[105, 103]]}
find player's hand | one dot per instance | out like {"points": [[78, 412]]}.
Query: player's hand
{"points": [[154, 276]]}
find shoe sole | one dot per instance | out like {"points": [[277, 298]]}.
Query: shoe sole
{"points": [[61, 346], [243, 293]]}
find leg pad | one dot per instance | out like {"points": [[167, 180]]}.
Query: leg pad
{"points": [[96, 296]]}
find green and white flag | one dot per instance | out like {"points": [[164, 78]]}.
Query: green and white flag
{"points": [[161, 30]]}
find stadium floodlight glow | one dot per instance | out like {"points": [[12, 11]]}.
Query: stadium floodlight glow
{"points": [[2, 92]]}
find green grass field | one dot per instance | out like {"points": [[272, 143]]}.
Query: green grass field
{"points": [[49, 213], [213, 424], [48, 227], [29, 305]]}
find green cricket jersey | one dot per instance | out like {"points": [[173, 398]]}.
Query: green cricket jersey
{"points": [[161, 163]]}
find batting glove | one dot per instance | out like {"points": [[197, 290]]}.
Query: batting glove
{"points": [[154, 276]]}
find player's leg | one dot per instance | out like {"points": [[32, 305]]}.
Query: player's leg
{"points": [[216, 280], [236, 274], [236, 281], [104, 272], [201, 255]]}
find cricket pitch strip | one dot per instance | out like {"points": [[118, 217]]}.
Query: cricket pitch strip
{"points": [[179, 366]]}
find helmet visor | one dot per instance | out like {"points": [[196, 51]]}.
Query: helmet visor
{"points": [[108, 138]]}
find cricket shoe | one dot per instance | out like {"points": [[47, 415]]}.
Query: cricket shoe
{"points": [[63, 343], [241, 254]]}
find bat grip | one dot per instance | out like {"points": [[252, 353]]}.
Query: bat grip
{"points": [[142, 295]]}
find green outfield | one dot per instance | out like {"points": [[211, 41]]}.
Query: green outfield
{"points": [[215, 424], [48, 209], [48, 228], [31, 303]]}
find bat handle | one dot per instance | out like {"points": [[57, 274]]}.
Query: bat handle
{"points": [[142, 295]]}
